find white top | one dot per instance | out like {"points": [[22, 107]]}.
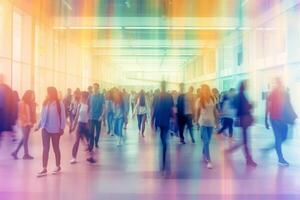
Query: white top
{"points": [[141, 110], [207, 115], [83, 114]]}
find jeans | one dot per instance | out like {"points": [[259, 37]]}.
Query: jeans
{"points": [[141, 122], [280, 130], [185, 120], [81, 134], [206, 133], [55, 138], [118, 126], [227, 123], [24, 140], [110, 120], [94, 125]]}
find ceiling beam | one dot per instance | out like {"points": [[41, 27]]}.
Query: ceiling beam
{"points": [[94, 22]]}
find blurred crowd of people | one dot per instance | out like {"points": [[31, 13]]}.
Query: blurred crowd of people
{"points": [[170, 113]]}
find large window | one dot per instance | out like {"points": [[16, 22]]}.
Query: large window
{"points": [[17, 50]]}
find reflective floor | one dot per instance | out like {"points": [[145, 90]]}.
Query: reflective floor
{"points": [[132, 171]]}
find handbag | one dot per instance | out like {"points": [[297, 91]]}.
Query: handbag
{"points": [[244, 121]]}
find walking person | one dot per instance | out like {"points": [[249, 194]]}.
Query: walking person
{"points": [[126, 99], [185, 112], [207, 116], [227, 112], [119, 115], [281, 113], [244, 121], [26, 120], [67, 102], [8, 108], [163, 112], [52, 123], [141, 110], [109, 112], [74, 109], [96, 110], [82, 132]]}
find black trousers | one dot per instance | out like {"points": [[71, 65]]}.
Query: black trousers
{"points": [[94, 125], [165, 164], [184, 120], [243, 144], [227, 123]]}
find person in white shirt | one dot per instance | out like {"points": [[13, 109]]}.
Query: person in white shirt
{"points": [[82, 133], [207, 118], [141, 110]]}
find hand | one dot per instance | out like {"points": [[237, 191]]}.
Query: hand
{"points": [[267, 124], [61, 132], [100, 119], [36, 129]]}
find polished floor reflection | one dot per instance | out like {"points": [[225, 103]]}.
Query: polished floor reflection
{"points": [[131, 171]]}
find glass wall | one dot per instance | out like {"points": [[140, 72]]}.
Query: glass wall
{"points": [[34, 56]]}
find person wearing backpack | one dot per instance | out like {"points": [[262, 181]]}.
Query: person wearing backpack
{"points": [[280, 113], [52, 123]]}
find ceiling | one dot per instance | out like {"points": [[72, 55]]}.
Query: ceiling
{"points": [[143, 33]]}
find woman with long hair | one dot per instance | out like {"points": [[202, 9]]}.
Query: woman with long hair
{"points": [[26, 120], [82, 132], [74, 109], [207, 118], [52, 123], [119, 114], [141, 110]]}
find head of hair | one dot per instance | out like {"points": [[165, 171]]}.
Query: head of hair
{"points": [[52, 95], [28, 97], [84, 95], [242, 86], [142, 101], [205, 95]]}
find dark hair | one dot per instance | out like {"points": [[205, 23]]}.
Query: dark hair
{"points": [[53, 96], [27, 97], [142, 101], [77, 94], [84, 95]]}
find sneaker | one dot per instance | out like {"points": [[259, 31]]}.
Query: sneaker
{"points": [[209, 165], [182, 142], [251, 163], [193, 141], [14, 155], [27, 157], [73, 161], [42, 173], [283, 163], [57, 170], [91, 160], [97, 146]]}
